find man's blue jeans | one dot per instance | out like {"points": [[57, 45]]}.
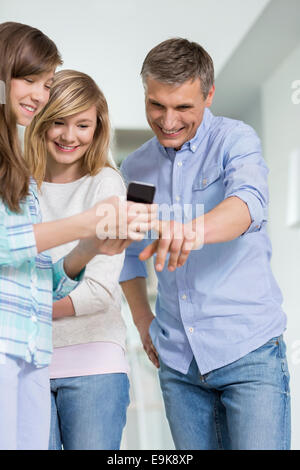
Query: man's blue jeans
{"points": [[243, 406], [89, 412]]}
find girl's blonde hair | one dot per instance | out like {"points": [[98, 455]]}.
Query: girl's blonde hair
{"points": [[72, 92], [23, 51]]}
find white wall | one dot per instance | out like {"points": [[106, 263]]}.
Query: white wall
{"points": [[281, 134], [109, 39], [277, 121], [256, 86]]}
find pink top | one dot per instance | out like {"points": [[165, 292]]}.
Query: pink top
{"points": [[88, 359]]}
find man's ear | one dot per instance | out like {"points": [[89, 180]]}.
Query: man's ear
{"points": [[210, 96]]}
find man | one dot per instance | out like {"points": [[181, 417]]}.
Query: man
{"points": [[217, 334]]}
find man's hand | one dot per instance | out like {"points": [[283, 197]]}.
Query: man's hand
{"points": [[227, 221], [143, 328], [175, 238]]}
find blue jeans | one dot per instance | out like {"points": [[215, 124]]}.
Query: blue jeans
{"points": [[88, 412], [242, 406]]}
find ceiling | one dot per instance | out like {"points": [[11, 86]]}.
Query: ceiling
{"points": [[109, 39]]}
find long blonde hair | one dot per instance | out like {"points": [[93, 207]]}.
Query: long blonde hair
{"points": [[72, 92], [23, 51]]}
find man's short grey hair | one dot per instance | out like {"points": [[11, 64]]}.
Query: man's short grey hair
{"points": [[177, 60]]}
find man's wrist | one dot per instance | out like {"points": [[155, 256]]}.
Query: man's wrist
{"points": [[141, 319], [198, 227]]}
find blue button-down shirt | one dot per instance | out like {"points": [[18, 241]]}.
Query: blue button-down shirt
{"points": [[224, 302], [28, 284]]}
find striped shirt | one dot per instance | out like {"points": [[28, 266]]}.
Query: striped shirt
{"points": [[29, 282]]}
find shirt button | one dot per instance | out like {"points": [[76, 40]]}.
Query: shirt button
{"points": [[191, 330], [194, 147], [183, 297], [179, 163], [204, 181], [34, 318], [177, 198]]}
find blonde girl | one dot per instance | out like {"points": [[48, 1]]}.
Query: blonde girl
{"points": [[67, 149]]}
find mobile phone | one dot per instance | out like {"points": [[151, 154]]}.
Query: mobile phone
{"points": [[140, 192]]}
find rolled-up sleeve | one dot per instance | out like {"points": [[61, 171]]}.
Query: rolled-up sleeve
{"points": [[245, 174], [62, 284]]}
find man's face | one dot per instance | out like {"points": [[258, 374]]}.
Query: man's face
{"points": [[174, 112]]}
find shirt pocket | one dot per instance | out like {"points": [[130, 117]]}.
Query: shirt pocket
{"points": [[208, 188]]}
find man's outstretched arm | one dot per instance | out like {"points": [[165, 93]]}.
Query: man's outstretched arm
{"points": [[227, 221]]}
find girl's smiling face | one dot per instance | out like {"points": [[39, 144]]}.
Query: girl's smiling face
{"points": [[29, 95], [69, 138]]}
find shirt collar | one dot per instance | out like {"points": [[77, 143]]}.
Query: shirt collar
{"points": [[194, 143]]}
